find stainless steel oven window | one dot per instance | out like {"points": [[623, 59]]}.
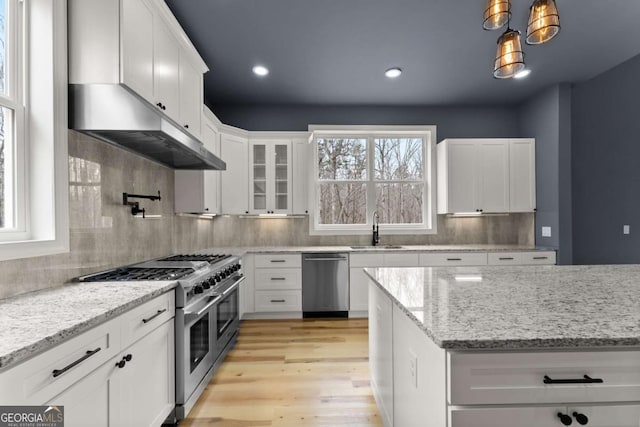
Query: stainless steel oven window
{"points": [[227, 312], [199, 339]]}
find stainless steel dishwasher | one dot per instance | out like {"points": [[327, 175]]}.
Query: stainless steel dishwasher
{"points": [[325, 284]]}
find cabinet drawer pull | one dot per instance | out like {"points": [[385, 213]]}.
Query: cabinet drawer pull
{"points": [[278, 300], [540, 257], [278, 278], [149, 319], [586, 379], [278, 260], [454, 259], [58, 372], [506, 258]]}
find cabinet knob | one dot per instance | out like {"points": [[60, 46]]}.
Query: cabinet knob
{"points": [[164, 108], [121, 363], [246, 212], [186, 126], [128, 357], [565, 419], [581, 418]]}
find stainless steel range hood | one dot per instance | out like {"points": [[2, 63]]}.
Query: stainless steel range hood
{"points": [[116, 115]]}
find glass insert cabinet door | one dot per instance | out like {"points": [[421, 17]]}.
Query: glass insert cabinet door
{"points": [[270, 177]]}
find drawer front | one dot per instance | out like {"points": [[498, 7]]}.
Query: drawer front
{"points": [[401, 260], [278, 278], [538, 258], [501, 378], [546, 416], [278, 261], [33, 382], [141, 320], [366, 260], [270, 301], [453, 259], [505, 258]]}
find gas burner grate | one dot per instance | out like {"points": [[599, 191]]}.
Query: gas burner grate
{"points": [[210, 258], [139, 274]]}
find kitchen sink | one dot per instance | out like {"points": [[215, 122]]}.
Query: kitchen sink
{"points": [[377, 247]]}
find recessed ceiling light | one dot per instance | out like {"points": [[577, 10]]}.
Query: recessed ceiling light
{"points": [[392, 73], [260, 70], [522, 74]]}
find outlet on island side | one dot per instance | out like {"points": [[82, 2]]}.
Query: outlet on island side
{"points": [[546, 231], [626, 229]]}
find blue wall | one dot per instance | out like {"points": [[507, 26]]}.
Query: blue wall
{"points": [[606, 166], [451, 122], [547, 118]]}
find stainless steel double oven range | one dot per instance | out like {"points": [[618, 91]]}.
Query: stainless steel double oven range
{"points": [[207, 314]]}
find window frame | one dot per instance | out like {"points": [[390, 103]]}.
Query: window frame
{"points": [[41, 133], [426, 133]]}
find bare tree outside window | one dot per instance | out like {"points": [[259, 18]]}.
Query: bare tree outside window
{"points": [[346, 180]]}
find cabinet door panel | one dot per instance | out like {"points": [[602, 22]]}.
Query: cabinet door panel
{"points": [[522, 176], [301, 153], [234, 182], [137, 47], [166, 72], [358, 290], [506, 417], [190, 96], [146, 384], [462, 183], [381, 351], [87, 402], [493, 164], [608, 416]]}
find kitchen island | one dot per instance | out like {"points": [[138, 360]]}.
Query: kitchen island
{"points": [[509, 346]]}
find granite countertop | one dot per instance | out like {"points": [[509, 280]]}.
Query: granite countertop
{"points": [[372, 249], [511, 308], [34, 322]]}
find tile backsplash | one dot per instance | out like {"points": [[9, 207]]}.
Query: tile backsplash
{"points": [[104, 234]]}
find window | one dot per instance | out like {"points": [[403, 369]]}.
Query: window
{"points": [[33, 129], [387, 170]]}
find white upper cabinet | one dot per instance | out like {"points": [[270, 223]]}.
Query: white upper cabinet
{"points": [[486, 175], [140, 44], [270, 177], [198, 191], [234, 184], [137, 47], [191, 97], [166, 70], [300, 174], [522, 175]]}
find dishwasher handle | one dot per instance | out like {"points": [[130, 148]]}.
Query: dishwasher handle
{"points": [[326, 259]]}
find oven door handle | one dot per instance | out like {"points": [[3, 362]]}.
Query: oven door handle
{"points": [[233, 287], [190, 315]]}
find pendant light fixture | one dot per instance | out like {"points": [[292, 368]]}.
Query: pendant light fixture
{"points": [[544, 22], [509, 57], [496, 14]]}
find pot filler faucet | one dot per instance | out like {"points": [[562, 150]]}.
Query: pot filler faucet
{"points": [[376, 236]]}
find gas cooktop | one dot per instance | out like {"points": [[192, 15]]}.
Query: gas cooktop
{"points": [[139, 273]]}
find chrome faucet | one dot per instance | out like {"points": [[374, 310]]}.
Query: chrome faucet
{"points": [[376, 227]]}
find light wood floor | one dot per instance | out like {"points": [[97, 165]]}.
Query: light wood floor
{"points": [[292, 373]]}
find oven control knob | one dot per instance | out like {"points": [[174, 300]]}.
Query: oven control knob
{"points": [[205, 284], [212, 281], [198, 289], [223, 274], [218, 277], [237, 267]]}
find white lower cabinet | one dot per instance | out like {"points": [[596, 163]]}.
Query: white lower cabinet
{"points": [[381, 352], [84, 375], [277, 283], [416, 383]]}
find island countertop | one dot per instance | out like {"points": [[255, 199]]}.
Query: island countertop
{"points": [[511, 308]]}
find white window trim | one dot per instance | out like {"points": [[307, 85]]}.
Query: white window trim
{"points": [[46, 153], [429, 155]]}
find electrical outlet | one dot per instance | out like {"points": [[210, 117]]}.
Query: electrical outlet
{"points": [[413, 368], [626, 229], [546, 231]]}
